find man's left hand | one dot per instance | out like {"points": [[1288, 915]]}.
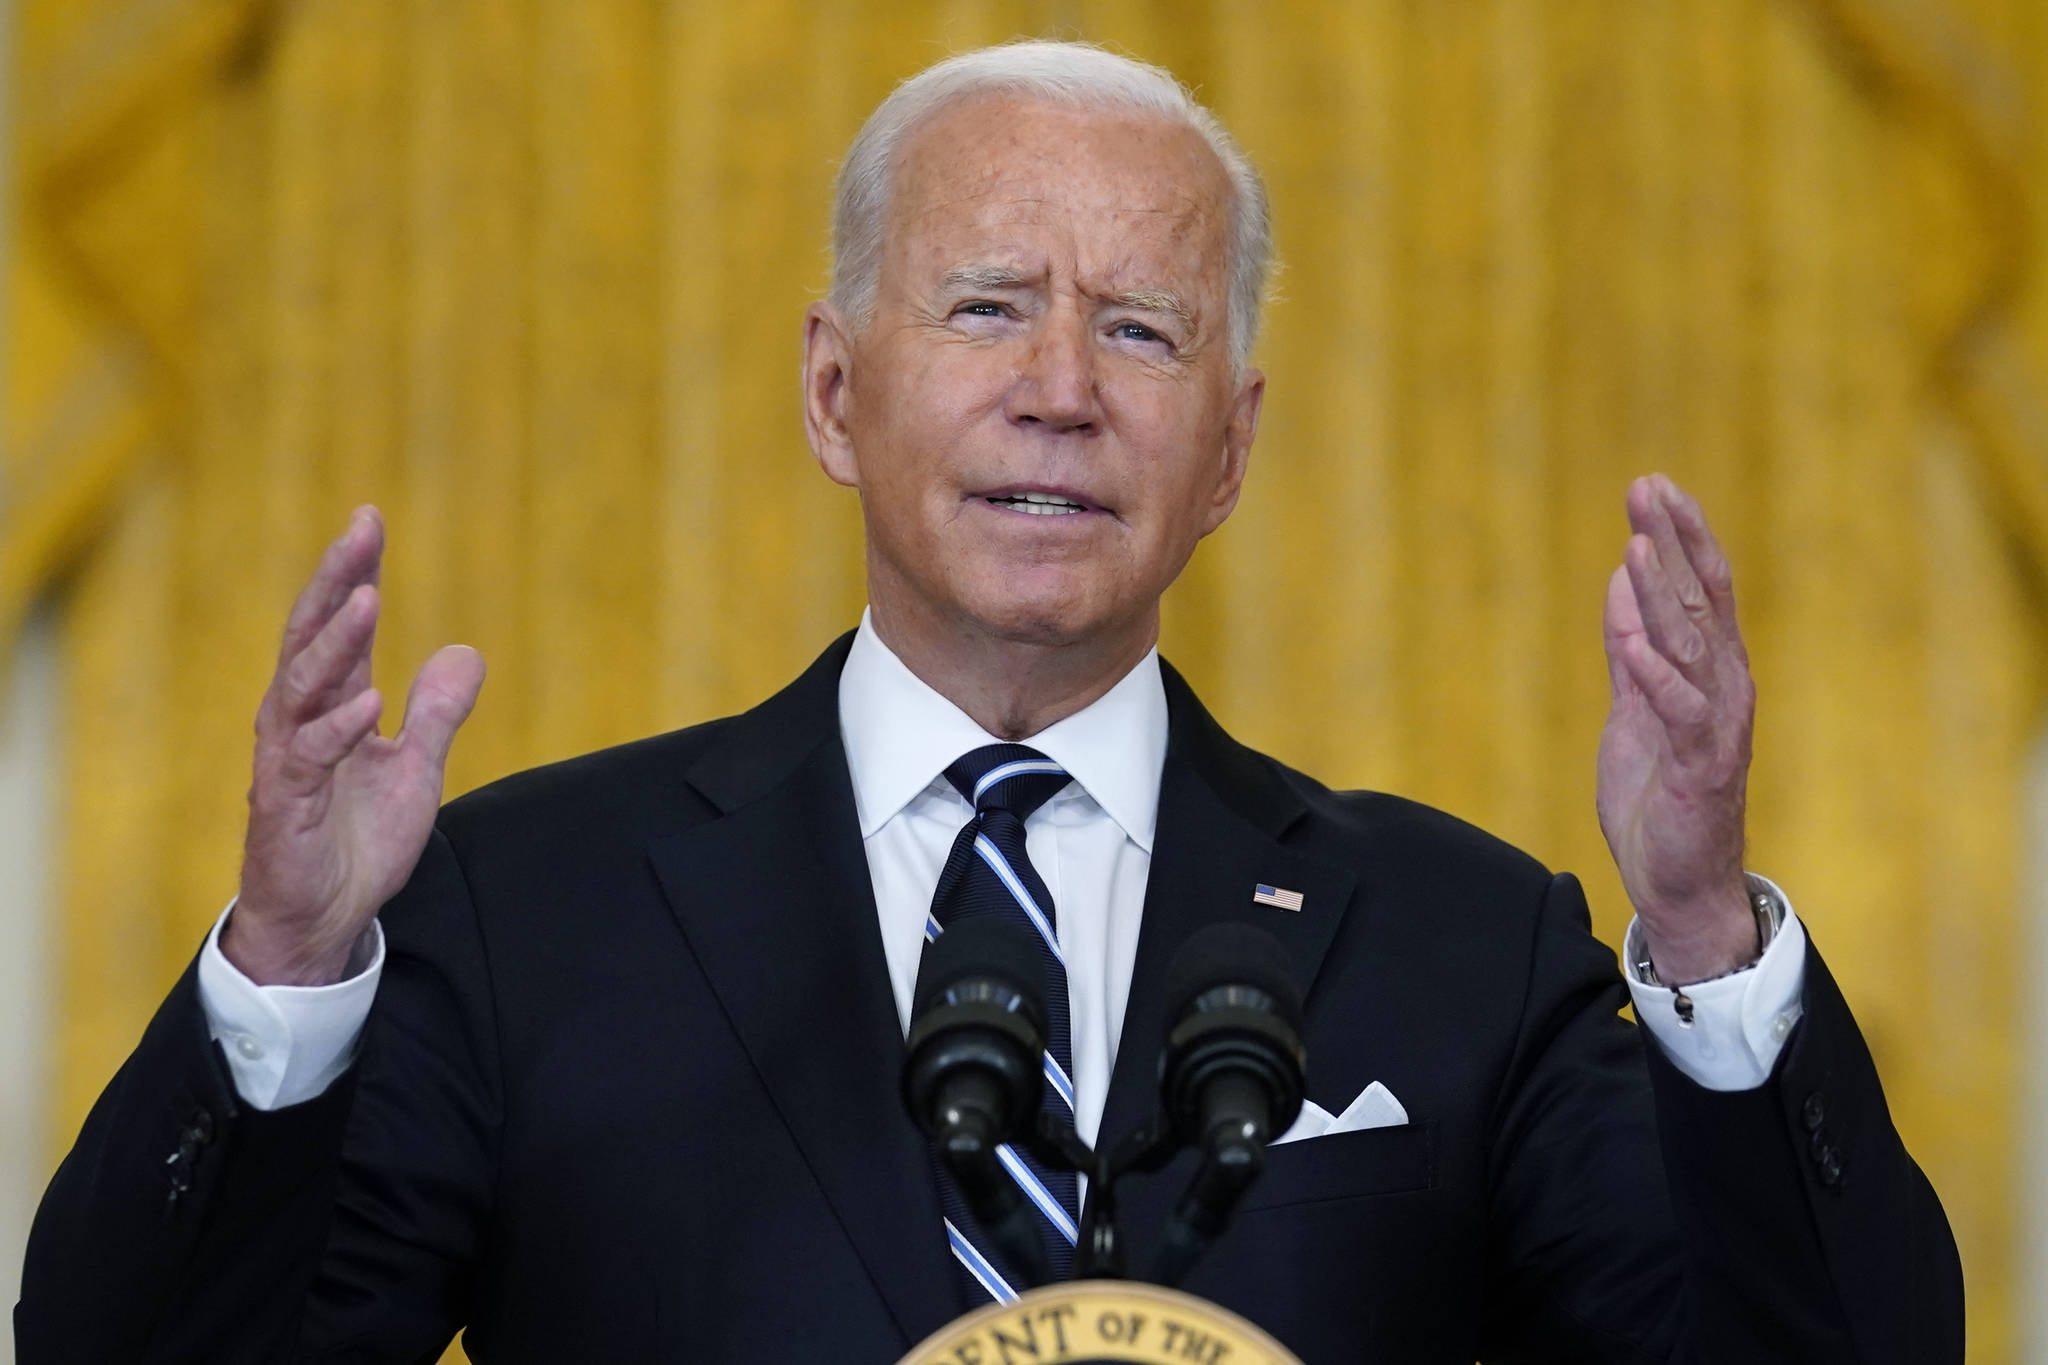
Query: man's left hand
{"points": [[1674, 758]]}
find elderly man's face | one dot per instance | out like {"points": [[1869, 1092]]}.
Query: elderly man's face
{"points": [[1043, 417]]}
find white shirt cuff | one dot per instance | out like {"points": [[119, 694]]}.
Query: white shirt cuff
{"points": [[1739, 1022], [286, 1044]]}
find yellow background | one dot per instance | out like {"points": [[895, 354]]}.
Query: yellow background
{"points": [[528, 275]]}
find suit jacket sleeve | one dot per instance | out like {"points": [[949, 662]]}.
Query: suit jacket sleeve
{"points": [[184, 1226], [1800, 1228]]}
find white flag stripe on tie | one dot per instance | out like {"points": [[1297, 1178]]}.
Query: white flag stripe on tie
{"points": [[1056, 1076], [1000, 865], [1006, 771], [986, 1275], [1035, 1190]]}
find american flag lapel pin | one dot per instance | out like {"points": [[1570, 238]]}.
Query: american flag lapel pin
{"points": [[1275, 897]]}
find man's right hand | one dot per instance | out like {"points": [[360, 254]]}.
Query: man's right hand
{"points": [[338, 814]]}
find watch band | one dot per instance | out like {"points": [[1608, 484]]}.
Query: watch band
{"points": [[1769, 909]]}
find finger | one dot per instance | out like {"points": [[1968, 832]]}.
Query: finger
{"points": [[1649, 513], [1666, 623], [349, 562], [317, 746], [358, 678], [313, 681], [1682, 708], [1703, 553], [441, 698], [1618, 621]]}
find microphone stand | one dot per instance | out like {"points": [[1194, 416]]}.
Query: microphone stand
{"points": [[1231, 1161], [1099, 1253]]}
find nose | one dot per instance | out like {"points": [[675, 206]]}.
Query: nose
{"points": [[1055, 386]]}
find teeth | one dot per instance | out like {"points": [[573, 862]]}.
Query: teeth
{"points": [[1040, 504]]}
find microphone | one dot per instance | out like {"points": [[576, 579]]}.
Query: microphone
{"points": [[1231, 1076], [973, 1069]]}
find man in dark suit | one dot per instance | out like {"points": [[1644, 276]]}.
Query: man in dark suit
{"points": [[628, 1086]]}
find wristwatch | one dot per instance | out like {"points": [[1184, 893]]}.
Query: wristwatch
{"points": [[1768, 907]]}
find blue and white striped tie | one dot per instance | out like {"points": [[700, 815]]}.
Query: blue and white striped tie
{"points": [[989, 873]]}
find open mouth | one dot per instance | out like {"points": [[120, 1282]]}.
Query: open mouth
{"points": [[1039, 504]]}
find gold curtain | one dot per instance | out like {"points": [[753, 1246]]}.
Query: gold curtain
{"points": [[528, 275]]}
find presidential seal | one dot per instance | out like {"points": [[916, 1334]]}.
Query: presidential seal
{"points": [[1101, 1322]]}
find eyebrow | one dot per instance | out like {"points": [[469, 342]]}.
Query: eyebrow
{"points": [[992, 277], [1155, 301], [982, 277]]}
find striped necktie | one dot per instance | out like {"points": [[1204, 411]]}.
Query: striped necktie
{"points": [[989, 873]]}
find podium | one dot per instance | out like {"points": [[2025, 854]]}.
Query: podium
{"points": [[1100, 1322]]}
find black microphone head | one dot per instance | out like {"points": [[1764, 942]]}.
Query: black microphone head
{"points": [[1232, 955], [983, 948], [972, 1068], [1233, 1052]]}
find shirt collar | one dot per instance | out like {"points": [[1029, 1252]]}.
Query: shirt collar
{"points": [[900, 735]]}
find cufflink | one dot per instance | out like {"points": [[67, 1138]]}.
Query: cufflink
{"points": [[1768, 907]]}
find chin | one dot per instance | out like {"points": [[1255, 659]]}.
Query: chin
{"points": [[1040, 618]]}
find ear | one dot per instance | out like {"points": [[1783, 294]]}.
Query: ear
{"points": [[1238, 434], [828, 369]]}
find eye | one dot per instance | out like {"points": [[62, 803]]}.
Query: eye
{"points": [[1138, 331], [979, 308]]}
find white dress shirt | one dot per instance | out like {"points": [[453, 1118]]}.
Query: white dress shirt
{"points": [[1092, 846], [1091, 843]]}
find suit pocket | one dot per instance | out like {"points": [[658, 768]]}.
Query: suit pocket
{"points": [[1347, 1166]]}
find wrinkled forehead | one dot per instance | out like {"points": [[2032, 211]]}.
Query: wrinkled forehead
{"points": [[1032, 185]]}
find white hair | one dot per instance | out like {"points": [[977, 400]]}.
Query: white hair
{"points": [[1081, 75]]}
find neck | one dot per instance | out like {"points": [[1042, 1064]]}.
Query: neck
{"points": [[1011, 688]]}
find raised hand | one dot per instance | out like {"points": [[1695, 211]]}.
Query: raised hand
{"points": [[338, 814], [1674, 758]]}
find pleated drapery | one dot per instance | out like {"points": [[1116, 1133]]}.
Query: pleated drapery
{"points": [[529, 276]]}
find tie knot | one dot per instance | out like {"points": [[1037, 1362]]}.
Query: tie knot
{"points": [[1009, 777]]}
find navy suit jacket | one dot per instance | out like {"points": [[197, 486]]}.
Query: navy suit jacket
{"points": [[629, 1092]]}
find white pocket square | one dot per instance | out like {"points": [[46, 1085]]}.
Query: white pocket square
{"points": [[1375, 1107]]}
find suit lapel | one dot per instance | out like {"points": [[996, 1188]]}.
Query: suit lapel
{"points": [[1223, 811], [776, 902]]}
